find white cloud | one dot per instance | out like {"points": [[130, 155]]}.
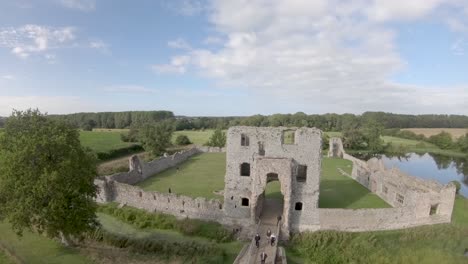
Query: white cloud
{"points": [[459, 47], [339, 55], [99, 45], [133, 89], [8, 77], [50, 104], [31, 39], [83, 5], [178, 64], [179, 44]]}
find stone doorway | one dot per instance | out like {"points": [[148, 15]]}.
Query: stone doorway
{"points": [[273, 201]]}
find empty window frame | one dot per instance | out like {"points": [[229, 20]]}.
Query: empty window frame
{"points": [[245, 202], [434, 208], [400, 198], [244, 140], [289, 137], [245, 169], [261, 149], [301, 173], [298, 206]]}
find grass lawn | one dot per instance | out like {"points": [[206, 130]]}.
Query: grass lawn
{"points": [[197, 137], [339, 191], [443, 243], [4, 259], [100, 141], [418, 146], [33, 248], [114, 225], [203, 174], [199, 176]]}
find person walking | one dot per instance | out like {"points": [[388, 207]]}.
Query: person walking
{"points": [[268, 233], [279, 219], [257, 240], [263, 257], [272, 239]]}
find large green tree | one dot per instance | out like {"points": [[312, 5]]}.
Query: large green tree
{"points": [[46, 177], [156, 138], [217, 139]]}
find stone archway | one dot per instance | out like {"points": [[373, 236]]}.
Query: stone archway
{"points": [[267, 170]]}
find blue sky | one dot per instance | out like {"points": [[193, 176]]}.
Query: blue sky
{"points": [[231, 57]]}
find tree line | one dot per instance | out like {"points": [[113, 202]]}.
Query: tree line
{"points": [[326, 122]]}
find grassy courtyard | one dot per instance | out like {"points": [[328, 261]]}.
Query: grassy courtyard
{"points": [[203, 174], [199, 176], [339, 191]]}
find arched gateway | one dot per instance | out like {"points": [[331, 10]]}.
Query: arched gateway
{"points": [[267, 157]]}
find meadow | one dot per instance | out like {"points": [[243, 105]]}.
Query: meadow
{"points": [[427, 132], [103, 141]]}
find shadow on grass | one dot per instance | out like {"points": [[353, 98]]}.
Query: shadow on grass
{"points": [[340, 193]]}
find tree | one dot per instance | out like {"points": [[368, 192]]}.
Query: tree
{"points": [[182, 140], [443, 140], [218, 139], [156, 138], [462, 143], [372, 132], [46, 177]]}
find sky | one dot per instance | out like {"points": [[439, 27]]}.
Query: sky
{"points": [[234, 57]]}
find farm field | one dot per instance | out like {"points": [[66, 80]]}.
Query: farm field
{"points": [[427, 132], [103, 141]]}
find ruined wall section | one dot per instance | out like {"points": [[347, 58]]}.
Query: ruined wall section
{"points": [[168, 203], [268, 143], [359, 220], [336, 148], [422, 199]]}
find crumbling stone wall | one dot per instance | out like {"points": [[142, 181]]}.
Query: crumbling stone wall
{"points": [[178, 205], [335, 149]]}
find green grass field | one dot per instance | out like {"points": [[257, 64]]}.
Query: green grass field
{"points": [[4, 259], [196, 137], [199, 176], [339, 191], [101, 141], [203, 174], [34, 248]]}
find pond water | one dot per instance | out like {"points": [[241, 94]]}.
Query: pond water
{"points": [[431, 166]]}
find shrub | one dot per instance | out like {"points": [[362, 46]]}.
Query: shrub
{"points": [[131, 136], [457, 186], [443, 140], [182, 140], [189, 227]]}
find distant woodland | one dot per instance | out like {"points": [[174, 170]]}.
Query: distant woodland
{"points": [[326, 122]]}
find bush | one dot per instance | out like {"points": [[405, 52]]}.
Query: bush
{"points": [[115, 153], [218, 139], [189, 227], [457, 185], [192, 251], [131, 136], [182, 140], [443, 140]]}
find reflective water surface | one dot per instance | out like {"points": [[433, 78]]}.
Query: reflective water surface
{"points": [[431, 166]]}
